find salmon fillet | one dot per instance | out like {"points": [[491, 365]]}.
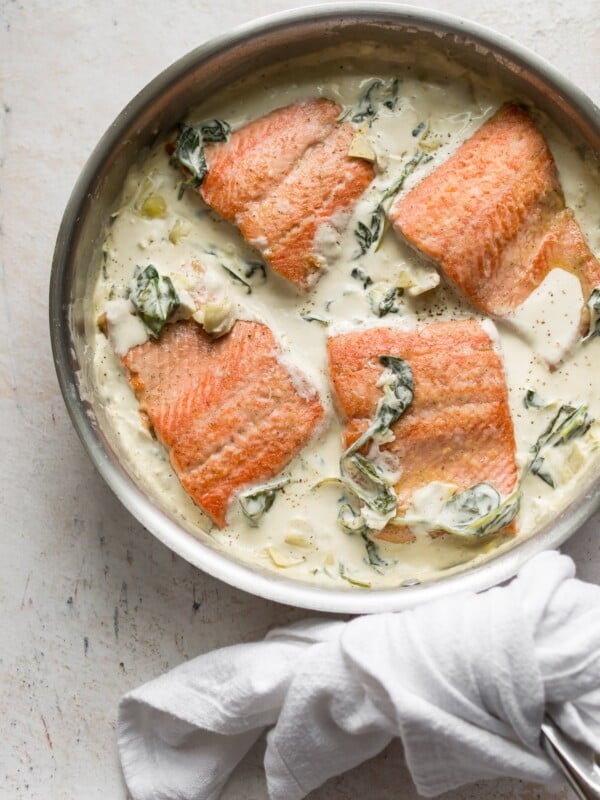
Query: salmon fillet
{"points": [[227, 410], [281, 177], [493, 216], [458, 429]]}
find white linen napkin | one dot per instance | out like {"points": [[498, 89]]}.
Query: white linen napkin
{"points": [[463, 682]]}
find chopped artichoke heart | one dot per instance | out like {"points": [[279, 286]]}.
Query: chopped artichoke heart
{"points": [[216, 317], [577, 457], [385, 437], [154, 207], [565, 465], [477, 511], [404, 279], [283, 560], [382, 299], [417, 280], [144, 200], [187, 305], [429, 501], [209, 307], [179, 231], [361, 147], [430, 145], [296, 540], [373, 520]]}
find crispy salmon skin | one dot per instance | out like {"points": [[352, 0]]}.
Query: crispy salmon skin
{"points": [[493, 216], [227, 409], [458, 429], [281, 177]]}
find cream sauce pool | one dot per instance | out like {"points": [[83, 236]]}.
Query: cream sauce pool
{"points": [[300, 536]]}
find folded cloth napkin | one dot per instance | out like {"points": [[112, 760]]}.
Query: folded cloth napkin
{"points": [[463, 682]]}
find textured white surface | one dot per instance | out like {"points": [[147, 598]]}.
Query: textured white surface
{"points": [[91, 604]]}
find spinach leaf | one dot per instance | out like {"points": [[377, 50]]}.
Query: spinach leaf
{"points": [[410, 166], [237, 278], [374, 558], [533, 400], [362, 477], [593, 305], [359, 274], [383, 303], [353, 581], [480, 510], [154, 298], [350, 520], [378, 93], [189, 150], [477, 511], [189, 154], [568, 423], [368, 235], [256, 502], [215, 130], [255, 267], [313, 318], [538, 467], [398, 394], [368, 482]]}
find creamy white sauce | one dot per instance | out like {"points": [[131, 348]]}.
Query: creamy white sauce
{"points": [[549, 320], [125, 328], [300, 534]]}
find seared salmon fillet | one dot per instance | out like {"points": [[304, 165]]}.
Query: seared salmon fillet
{"points": [[227, 409], [282, 176], [458, 429], [259, 155], [493, 216]]}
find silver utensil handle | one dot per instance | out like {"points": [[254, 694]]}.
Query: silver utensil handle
{"points": [[577, 763]]}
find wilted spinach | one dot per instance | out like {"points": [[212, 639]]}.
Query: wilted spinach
{"points": [[314, 318], [359, 274], [154, 298], [398, 394], [256, 502], [364, 478], [568, 423], [189, 150], [383, 303], [533, 400], [369, 234], [237, 278], [410, 166], [255, 268], [593, 305], [378, 93], [480, 510]]}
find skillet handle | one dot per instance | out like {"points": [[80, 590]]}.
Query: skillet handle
{"points": [[578, 764]]}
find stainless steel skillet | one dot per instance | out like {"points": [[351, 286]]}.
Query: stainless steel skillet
{"points": [[162, 103]]}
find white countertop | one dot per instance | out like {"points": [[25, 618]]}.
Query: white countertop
{"points": [[91, 604]]}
